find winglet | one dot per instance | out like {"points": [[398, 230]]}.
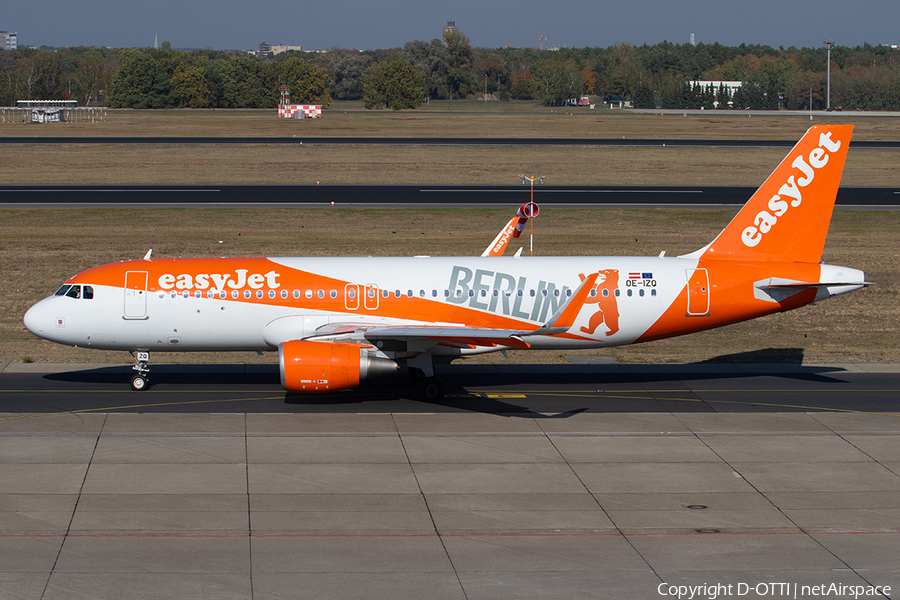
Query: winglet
{"points": [[149, 252], [566, 314]]}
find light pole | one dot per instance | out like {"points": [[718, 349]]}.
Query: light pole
{"points": [[828, 44]]}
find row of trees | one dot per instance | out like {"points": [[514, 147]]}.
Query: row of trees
{"points": [[864, 77]]}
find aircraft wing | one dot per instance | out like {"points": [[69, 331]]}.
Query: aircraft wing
{"points": [[420, 338], [458, 337]]}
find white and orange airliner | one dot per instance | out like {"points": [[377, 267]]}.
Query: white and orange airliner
{"points": [[337, 321]]}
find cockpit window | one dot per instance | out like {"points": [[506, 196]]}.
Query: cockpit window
{"points": [[76, 291]]}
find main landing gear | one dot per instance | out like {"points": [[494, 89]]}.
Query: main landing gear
{"points": [[141, 381], [430, 389]]}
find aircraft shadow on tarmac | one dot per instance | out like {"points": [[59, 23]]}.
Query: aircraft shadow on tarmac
{"points": [[562, 390]]}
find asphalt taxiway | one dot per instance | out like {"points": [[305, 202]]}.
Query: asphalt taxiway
{"points": [[593, 480], [168, 196]]}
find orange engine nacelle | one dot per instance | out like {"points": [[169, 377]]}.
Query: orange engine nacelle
{"points": [[311, 367]]}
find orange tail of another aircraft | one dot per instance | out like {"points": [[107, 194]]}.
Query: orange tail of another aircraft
{"points": [[771, 225]]}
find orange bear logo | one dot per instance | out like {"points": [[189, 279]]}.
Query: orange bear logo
{"points": [[607, 305]]}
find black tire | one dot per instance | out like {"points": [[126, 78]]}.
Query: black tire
{"points": [[431, 389], [139, 383]]}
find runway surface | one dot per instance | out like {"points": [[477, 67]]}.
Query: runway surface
{"points": [[404, 195], [416, 141], [582, 481]]}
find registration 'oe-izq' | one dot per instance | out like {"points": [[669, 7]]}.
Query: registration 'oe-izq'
{"points": [[337, 321]]}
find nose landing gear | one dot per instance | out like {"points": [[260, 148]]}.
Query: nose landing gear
{"points": [[140, 381]]}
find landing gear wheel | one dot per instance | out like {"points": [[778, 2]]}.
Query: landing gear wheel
{"points": [[431, 389], [139, 383]]}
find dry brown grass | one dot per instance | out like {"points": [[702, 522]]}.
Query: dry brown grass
{"points": [[43, 247], [364, 165], [457, 119], [274, 165]]}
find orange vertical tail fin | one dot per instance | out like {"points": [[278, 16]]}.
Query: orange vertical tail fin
{"points": [[787, 218]]}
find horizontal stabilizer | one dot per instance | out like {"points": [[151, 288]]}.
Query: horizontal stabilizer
{"points": [[807, 285], [776, 289]]}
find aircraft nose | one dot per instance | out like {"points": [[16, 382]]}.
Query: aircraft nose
{"points": [[37, 319]]}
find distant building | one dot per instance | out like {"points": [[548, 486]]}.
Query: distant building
{"points": [[264, 50], [9, 41], [619, 102], [730, 86], [450, 28], [278, 49]]}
